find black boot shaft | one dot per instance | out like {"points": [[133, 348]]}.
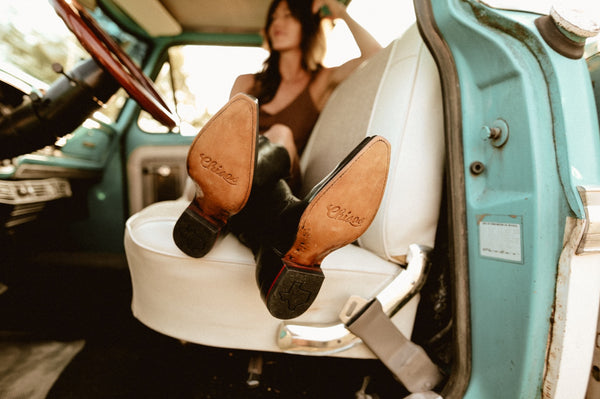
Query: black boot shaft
{"points": [[272, 163], [270, 194], [270, 217]]}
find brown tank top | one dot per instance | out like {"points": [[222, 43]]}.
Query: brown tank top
{"points": [[300, 116]]}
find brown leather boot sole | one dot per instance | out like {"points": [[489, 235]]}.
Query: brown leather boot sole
{"points": [[221, 162], [344, 208]]}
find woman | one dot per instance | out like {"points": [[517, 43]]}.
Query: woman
{"points": [[294, 87], [242, 176]]}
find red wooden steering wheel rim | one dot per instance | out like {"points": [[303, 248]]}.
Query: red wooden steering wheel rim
{"points": [[114, 60]]}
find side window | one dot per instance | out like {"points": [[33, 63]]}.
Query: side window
{"points": [[197, 80]]}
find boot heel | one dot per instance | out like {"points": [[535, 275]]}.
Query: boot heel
{"points": [[293, 290], [193, 234]]}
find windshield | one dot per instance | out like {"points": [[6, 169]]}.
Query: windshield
{"points": [[30, 42]]}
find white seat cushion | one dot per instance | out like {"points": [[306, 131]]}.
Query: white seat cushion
{"points": [[215, 301]]}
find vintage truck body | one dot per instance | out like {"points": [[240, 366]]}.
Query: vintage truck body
{"points": [[509, 306]]}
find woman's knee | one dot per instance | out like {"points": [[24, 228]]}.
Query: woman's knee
{"points": [[280, 134]]}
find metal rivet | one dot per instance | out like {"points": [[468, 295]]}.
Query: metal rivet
{"points": [[477, 168]]}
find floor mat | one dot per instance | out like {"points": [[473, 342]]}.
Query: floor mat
{"points": [[29, 367], [139, 363]]}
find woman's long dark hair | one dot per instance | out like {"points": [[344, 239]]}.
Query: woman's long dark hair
{"points": [[312, 45]]}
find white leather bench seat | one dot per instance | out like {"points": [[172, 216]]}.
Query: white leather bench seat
{"points": [[215, 300], [226, 306]]}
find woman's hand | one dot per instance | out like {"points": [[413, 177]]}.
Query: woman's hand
{"points": [[336, 8]]}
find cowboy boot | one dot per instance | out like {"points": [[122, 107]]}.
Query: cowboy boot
{"points": [[222, 161], [290, 237]]}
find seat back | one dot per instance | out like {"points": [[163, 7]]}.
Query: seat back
{"points": [[397, 95]]}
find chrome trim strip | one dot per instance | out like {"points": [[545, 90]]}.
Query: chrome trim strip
{"points": [[21, 192], [325, 339], [590, 239], [315, 339]]}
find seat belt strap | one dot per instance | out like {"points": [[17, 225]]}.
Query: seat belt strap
{"points": [[409, 362]]}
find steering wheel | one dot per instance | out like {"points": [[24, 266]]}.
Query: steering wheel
{"points": [[113, 59]]}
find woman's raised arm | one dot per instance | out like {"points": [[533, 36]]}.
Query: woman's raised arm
{"points": [[366, 43]]}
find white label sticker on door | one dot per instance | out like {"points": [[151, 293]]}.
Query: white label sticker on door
{"points": [[500, 240]]}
